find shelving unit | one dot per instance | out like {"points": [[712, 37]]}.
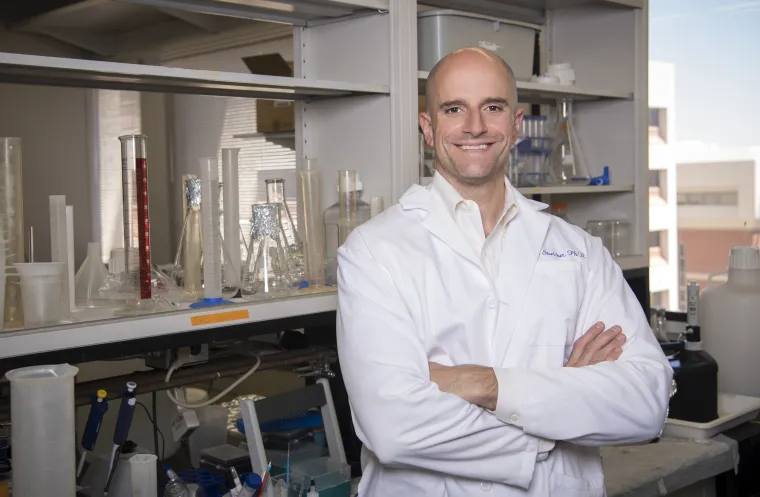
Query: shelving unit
{"points": [[357, 83]]}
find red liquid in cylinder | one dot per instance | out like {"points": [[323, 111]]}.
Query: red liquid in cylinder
{"points": [[143, 226]]}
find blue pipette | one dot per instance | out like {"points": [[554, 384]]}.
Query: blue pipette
{"points": [[98, 409], [121, 432]]}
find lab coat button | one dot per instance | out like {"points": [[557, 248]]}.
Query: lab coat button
{"points": [[486, 487], [515, 418], [491, 303]]}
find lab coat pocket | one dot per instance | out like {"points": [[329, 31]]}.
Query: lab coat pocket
{"points": [[568, 486]]}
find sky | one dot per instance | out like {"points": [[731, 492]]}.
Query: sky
{"points": [[714, 46]]}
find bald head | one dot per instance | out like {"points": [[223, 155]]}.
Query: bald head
{"points": [[460, 60]]}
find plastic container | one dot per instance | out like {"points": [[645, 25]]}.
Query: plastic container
{"points": [[733, 410], [43, 434], [728, 315], [143, 474], [332, 479], [440, 32], [615, 235], [41, 290], [312, 228], [340, 220]]}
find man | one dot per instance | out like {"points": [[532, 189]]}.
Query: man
{"points": [[462, 328]]}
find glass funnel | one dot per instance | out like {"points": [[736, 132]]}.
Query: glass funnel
{"points": [[92, 283], [566, 161], [268, 271]]}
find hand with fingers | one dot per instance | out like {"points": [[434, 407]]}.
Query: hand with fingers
{"points": [[597, 345]]}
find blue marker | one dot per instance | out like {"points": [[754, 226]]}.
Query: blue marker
{"points": [[92, 428]]}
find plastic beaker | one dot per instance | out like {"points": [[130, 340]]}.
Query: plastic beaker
{"points": [[43, 434], [144, 475], [41, 290]]}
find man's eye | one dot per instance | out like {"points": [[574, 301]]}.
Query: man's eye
{"points": [[453, 110], [494, 108]]}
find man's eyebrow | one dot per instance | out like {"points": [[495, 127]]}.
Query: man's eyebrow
{"points": [[461, 103]]}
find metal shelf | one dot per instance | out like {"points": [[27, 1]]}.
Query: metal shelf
{"points": [[58, 71], [108, 331], [632, 262], [563, 190], [530, 92]]}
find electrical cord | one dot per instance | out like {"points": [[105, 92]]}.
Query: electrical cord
{"points": [[179, 362], [155, 426]]}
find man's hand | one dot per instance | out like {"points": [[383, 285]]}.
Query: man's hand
{"points": [[596, 346], [475, 384]]}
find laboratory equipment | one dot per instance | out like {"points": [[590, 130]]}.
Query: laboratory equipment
{"points": [[43, 434], [12, 227], [211, 236], [341, 218], [311, 222], [121, 432], [138, 282], [98, 408], [566, 160], [559, 209], [92, 281], [70, 267], [729, 315], [328, 477], [232, 233], [186, 272], [377, 206], [59, 247], [270, 273], [211, 432], [175, 487], [143, 475], [276, 195], [530, 156], [313, 490], [695, 372], [615, 235], [223, 458], [41, 289]]}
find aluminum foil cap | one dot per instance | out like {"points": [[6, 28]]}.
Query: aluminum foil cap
{"points": [[193, 192], [265, 220]]}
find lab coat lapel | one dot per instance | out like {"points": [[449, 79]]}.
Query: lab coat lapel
{"points": [[438, 221], [521, 247]]}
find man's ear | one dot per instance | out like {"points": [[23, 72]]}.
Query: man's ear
{"points": [[426, 123]]}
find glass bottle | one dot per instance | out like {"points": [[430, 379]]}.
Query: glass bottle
{"points": [[566, 159], [341, 218]]}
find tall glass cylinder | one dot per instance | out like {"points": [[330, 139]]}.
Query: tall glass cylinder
{"points": [[231, 195], [187, 261], [311, 225], [212, 254], [12, 227], [134, 177], [347, 203]]}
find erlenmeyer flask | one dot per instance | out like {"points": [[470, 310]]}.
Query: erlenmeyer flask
{"points": [[268, 270], [186, 272], [566, 159], [276, 195], [92, 283]]}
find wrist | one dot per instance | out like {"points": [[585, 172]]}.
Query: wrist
{"points": [[487, 387]]}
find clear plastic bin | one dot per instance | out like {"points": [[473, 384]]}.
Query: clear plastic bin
{"points": [[331, 479]]}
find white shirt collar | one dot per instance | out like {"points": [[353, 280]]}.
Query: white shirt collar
{"points": [[453, 200]]}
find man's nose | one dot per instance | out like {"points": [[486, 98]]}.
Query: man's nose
{"points": [[474, 124]]}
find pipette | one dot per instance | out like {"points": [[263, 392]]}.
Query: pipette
{"points": [[121, 432], [98, 409]]}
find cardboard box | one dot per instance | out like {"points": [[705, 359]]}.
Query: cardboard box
{"points": [[272, 116]]}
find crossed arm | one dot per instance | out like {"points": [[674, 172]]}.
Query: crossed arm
{"points": [[406, 420]]}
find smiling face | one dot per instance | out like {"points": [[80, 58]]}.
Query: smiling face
{"points": [[472, 118]]}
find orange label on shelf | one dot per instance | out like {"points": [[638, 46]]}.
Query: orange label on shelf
{"points": [[219, 317]]}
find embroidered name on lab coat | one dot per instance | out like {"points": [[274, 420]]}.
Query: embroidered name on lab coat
{"points": [[563, 253]]}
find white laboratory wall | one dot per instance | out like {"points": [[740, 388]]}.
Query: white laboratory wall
{"points": [[663, 206]]}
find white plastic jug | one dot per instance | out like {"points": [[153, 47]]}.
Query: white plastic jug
{"points": [[729, 316]]}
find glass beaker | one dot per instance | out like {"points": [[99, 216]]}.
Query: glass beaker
{"points": [[186, 272], [268, 269], [566, 159], [12, 227], [615, 235], [276, 195]]}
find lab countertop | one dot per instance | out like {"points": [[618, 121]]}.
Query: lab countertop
{"points": [[666, 466]]}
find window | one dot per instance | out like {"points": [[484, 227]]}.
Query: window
{"points": [[658, 122], [708, 198], [654, 239], [654, 178], [118, 113]]}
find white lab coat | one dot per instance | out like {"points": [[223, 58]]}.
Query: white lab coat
{"points": [[412, 290]]}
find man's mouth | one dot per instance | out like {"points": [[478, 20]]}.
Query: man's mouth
{"points": [[480, 147]]}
